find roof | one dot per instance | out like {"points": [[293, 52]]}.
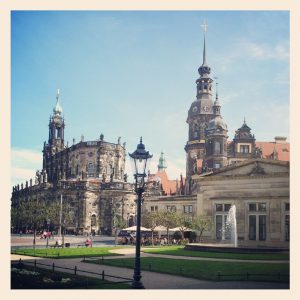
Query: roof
{"points": [[282, 149], [168, 186]]}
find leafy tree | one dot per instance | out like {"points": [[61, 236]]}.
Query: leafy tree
{"points": [[151, 220], [33, 213], [60, 212], [201, 224], [183, 222], [167, 219]]}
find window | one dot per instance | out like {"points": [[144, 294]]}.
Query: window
{"points": [[188, 209], [154, 208], [217, 149], [287, 227], [219, 207], [287, 207], [171, 208], [257, 221], [244, 149], [223, 207], [93, 220], [91, 170], [257, 206]]}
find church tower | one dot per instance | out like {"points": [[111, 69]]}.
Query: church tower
{"points": [[199, 115], [56, 137]]}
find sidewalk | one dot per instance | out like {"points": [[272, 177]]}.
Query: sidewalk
{"points": [[152, 280]]}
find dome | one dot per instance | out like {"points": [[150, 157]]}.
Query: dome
{"points": [[217, 122]]}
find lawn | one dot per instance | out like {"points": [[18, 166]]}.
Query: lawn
{"points": [[66, 252], [180, 251], [27, 278], [207, 270]]}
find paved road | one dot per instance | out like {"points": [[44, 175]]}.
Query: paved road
{"points": [[152, 280]]}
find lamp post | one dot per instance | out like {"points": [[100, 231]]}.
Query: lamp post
{"points": [[48, 224], [139, 159]]}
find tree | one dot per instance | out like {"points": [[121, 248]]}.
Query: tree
{"points": [[167, 219], [201, 224], [33, 214], [55, 208], [183, 222], [151, 220]]}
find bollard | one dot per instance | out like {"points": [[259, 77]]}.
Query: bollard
{"points": [[219, 275], [53, 267], [103, 275], [35, 265], [75, 270]]}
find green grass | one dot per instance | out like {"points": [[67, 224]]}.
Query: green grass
{"points": [[67, 252], [180, 251], [207, 270], [28, 281]]}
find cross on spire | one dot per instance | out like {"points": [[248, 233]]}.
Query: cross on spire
{"points": [[204, 26]]}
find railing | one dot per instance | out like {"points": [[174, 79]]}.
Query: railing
{"points": [[247, 276], [53, 267]]}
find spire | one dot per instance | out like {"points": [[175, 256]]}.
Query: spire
{"points": [[162, 163], [204, 52], [204, 69], [204, 26], [57, 109], [217, 106]]}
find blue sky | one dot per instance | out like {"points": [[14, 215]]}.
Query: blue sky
{"points": [[133, 73]]}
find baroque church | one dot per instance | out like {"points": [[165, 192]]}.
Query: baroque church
{"points": [[89, 175], [251, 175]]}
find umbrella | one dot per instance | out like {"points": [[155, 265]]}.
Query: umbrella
{"points": [[160, 228], [133, 228], [180, 229]]}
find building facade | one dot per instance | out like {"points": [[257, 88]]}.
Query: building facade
{"points": [[89, 175], [253, 176]]}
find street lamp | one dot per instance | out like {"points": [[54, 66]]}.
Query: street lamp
{"points": [[48, 224], [139, 159]]}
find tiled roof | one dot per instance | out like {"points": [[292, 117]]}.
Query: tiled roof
{"points": [[282, 149], [168, 186]]}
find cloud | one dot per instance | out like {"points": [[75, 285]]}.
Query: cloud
{"points": [[264, 51], [24, 163]]}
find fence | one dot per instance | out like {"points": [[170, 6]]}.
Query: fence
{"points": [[103, 275], [247, 276]]}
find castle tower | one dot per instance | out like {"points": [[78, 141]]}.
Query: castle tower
{"points": [[216, 140], [199, 115]]}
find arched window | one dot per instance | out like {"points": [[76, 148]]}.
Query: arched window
{"points": [[91, 170], [93, 220], [217, 148]]}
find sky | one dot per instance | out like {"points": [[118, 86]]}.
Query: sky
{"points": [[133, 73]]}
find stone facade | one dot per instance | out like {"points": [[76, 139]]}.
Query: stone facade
{"points": [[260, 191], [90, 177]]}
